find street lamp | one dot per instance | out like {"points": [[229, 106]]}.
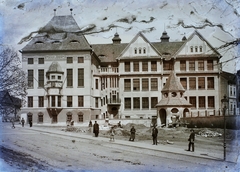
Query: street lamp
{"points": [[225, 103]]}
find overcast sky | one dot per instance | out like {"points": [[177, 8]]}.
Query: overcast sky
{"points": [[217, 20]]}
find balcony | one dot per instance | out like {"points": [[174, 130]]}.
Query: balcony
{"points": [[109, 70], [113, 101]]}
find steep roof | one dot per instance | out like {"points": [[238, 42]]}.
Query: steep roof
{"points": [[173, 84], [60, 33], [55, 68]]}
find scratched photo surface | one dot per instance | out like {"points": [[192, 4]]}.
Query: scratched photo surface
{"points": [[121, 63]]}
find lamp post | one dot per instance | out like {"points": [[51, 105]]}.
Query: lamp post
{"points": [[225, 103]]}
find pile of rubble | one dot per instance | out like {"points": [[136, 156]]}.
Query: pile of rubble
{"points": [[208, 133]]}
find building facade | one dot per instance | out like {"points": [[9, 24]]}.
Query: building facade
{"points": [[69, 79]]}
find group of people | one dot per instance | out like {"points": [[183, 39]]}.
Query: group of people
{"points": [[133, 133]]}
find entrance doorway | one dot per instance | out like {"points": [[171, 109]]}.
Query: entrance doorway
{"points": [[163, 117]]}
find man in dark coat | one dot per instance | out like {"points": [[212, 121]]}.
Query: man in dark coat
{"points": [[191, 140], [154, 135], [96, 129], [132, 136]]}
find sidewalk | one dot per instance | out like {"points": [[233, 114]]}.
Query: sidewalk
{"points": [[232, 157]]}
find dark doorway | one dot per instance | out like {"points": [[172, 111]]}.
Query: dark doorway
{"points": [[185, 112], [163, 117]]}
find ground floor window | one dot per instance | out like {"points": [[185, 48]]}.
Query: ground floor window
{"points": [[80, 117], [40, 118], [127, 103]]}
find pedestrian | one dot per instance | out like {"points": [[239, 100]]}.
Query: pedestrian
{"points": [[22, 121], [191, 140], [112, 134], [96, 129], [72, 123], [90, 124], [30, 123], [154, 135], [132, 136], [13, 126]]}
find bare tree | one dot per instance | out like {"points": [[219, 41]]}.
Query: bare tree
{"points": [[12, 77]]}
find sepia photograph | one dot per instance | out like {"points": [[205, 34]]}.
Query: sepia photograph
{"points": [[120, 86]]}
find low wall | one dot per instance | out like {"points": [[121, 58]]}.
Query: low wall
{"points": [[232, 122]]}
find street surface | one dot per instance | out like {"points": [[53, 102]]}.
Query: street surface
{"points": [[26, 149]]}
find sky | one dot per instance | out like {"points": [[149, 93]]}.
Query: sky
{"points": [[217, 20]]}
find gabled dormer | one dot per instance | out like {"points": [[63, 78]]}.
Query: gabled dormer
{"points": [[196, 45], [139, 47]]}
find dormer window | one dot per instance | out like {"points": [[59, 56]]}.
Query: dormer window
{"points": [[56, 42], [174, 94], [39, 42], [74, 41]]}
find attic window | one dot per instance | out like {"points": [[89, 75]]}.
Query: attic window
{"points": [[101, 55], [56, 42], [39, 42], [144, 50], [74, 41], [135, 50]]}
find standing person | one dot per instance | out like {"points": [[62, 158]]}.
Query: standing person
{"points": [[13, 126], [132, 136], [96, 129], [154, 135], [30, 123], [90, 124], [191, 140], [112, 134], [22, 121]]}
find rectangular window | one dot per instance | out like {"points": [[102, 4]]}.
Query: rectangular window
{"points": [[127, 66], [41, 78], [192, 65], [40, 60], [192, 100], [211, 102], [136, 85], [80, 101], [69, 60], [154, 84], [136, 103], [145, 86], [153, 66], [30, 60], [144, 66], [200, 65], [192, 83], [69, 101], [183, 65], [136, 66], [59, 101], [80, 118], [184, 82], [96, 102], [167, 65], [127, 103], [40, 101], [210, 82], [127, 84], [30, 78], [210, 65], [201, 83], [53, 101], [81, 77], [80, 60], [145, 103], [154, 101], [201, 101], [69, 77], [30, 101], [96, 84]]}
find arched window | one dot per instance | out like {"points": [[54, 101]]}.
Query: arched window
{"points": [[80, 116], [191, 49], [69, 116], [140, 50], [144, 50], [196, 49], [40, 117], [135, 50], [200, 49]]}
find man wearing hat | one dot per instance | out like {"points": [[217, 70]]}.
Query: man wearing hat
{"points": [[191, 140]]}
